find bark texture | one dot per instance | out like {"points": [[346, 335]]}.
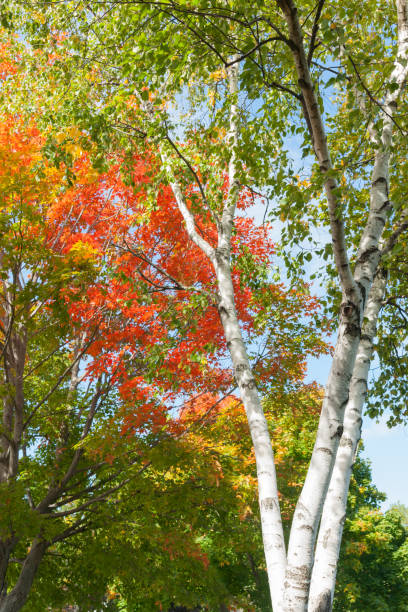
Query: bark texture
{"points": [[16, 598], [355, 287], [334, 511], [220, 258], [331, 527]]}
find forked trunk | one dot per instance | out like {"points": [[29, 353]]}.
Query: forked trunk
{"points": [[334, 512]]}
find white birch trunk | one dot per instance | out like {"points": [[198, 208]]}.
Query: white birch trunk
{"points": [[310, 505], [334, 512], [220, 257], [272, 532], [331, 527]]}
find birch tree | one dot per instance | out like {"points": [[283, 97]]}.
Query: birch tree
{"points": [[220, 257], [86, 300], [143, 54]]}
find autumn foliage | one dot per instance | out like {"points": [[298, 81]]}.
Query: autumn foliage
{"points": [[124, 357], [134, 284]]}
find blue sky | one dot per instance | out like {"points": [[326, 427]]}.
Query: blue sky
{"points": [[388, 451]]}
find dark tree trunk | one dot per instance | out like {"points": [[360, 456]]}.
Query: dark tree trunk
{"points": [[14, 601]]}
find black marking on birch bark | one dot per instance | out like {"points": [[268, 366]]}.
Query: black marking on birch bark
{"points": [[268, 503], [222, 310], [236, 339], [324, 164], [348, 308], [222, 254], [362, 290], [346, 442], [325, 450], [251, 384], [338, 432], [351, 313], [306, 527], [366, 338], [380, 219], [344, 404], [241, 367], [352, 330], [324, 602], [381, 179], [385, 205], [365, 256]]}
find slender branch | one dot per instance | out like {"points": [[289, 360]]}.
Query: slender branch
{"points": [[315, 30], [101, 497], [60, 379], [372, 98], [260, 44], [190, 167], [178, 285], [392, 240]]}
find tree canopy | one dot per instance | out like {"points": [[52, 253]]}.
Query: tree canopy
{"points": [[144, 311]]}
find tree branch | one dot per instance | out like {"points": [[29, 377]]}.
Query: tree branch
{"points": [[317, 132], [315, 30]]}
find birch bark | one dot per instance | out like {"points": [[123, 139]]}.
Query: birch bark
{"points": [[331, 527], [355, 287], [220, 257], [334, 511], [330, 533]]}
